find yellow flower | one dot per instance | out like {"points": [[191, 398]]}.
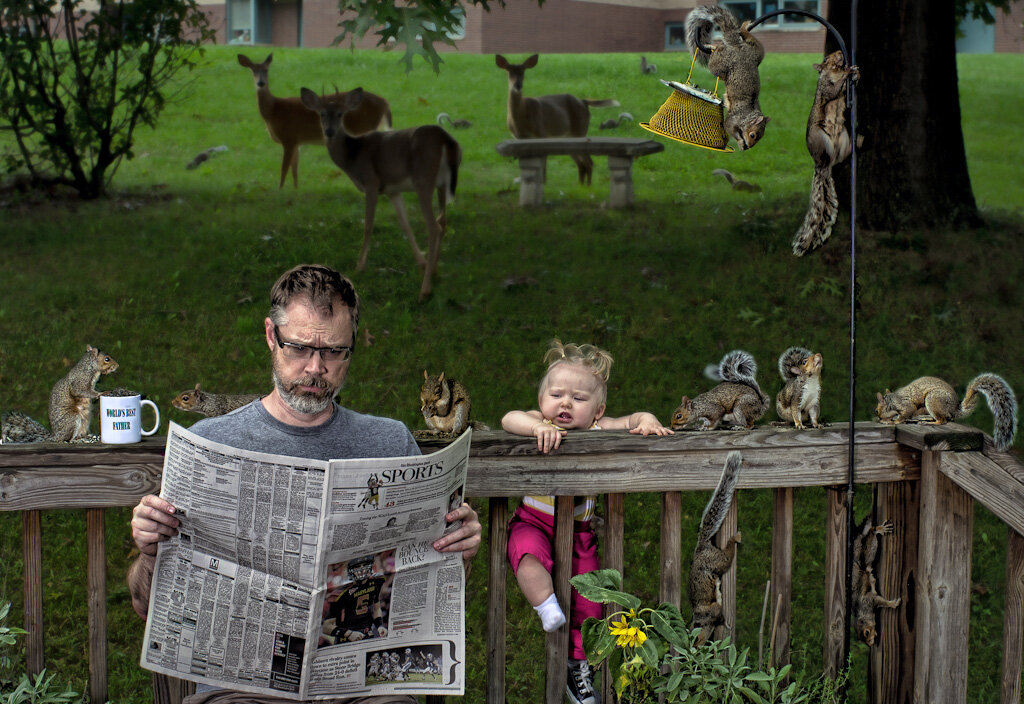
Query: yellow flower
{"points": [[628, 636]]}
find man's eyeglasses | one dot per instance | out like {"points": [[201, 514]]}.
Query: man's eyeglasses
{"points": [[293, 350]]}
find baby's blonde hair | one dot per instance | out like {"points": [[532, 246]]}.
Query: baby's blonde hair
{"points": [[594, 359]]}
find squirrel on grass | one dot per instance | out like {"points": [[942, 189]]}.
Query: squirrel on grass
{"points": [[735, 61], [710, 562], [737, 399], [933, 397], [828, 143], [866, 596], [210, 404], [801, 395], [70, 405]]}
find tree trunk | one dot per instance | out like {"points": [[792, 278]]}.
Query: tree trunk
{"points": [[911, 167]]}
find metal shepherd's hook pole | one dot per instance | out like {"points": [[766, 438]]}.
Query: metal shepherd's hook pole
{"points": [[852, 103]]}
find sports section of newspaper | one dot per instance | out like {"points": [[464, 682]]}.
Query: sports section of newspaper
{"points": [[308, 579]]}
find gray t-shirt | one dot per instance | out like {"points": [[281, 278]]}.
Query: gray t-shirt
{"points": [[345, 435]]}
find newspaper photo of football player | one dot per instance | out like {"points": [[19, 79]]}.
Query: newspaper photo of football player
{"points": [[358, 599]]}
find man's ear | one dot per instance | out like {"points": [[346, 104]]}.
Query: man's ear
{"points": [[269, 325]]}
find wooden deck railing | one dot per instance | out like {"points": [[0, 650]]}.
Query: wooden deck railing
{"points": [[927, 479]]}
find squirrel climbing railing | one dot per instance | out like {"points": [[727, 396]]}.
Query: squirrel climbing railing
{"points": [[926, 480]]}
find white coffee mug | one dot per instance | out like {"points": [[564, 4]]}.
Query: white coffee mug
{"points": [[121, 419]]}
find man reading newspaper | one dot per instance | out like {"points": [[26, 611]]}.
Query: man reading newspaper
{"points": [[311, 332]]}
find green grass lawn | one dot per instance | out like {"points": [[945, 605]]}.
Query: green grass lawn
{"points": [[170, 276]]}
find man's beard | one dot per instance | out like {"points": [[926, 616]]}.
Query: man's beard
{"points": [[302, 401]]}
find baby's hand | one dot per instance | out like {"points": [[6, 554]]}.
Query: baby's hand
{"points": [[649, 425], [548, 437]]}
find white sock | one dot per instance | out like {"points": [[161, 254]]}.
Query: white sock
{"points": [[551, 616]]}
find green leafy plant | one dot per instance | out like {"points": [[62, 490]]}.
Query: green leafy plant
{"points": [[651, 652], [26, 689]]}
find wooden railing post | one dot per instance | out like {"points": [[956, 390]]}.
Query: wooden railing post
{"points": [[891, 664], [1013, 618], [671, 547], [496, 600], [96, 570], [614, 525], [781, 604], [32, 554], [728, 529], [557, 642], [834, 656], [944, 587]]}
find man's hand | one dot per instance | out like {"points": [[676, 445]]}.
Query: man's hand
{"points": [[153, 520], [467, 538]]}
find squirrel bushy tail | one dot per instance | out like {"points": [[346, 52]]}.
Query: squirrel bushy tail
{"points": [[720, 501], [738, 367], [793, 357], [17, 427], [822, 212], [699, 23], [1001, 401]]}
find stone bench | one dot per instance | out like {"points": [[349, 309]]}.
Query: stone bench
{"points": [[533, 154]]}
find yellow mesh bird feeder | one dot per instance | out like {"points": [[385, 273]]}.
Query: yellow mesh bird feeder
{"points": [[691, 116]]}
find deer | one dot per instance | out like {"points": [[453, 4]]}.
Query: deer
{"points": [[419, 159], [290, 124], [561, 115]]}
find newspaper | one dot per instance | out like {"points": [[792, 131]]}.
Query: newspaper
{"points": [[307, 579]]}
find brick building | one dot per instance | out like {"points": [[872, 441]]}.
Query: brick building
{"points": [[570, 26]]}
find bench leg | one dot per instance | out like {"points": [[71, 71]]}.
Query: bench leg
{"points": [[620, 170], [531, 180]]}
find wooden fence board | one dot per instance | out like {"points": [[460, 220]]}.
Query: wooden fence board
{"points": [[781, 602], [989, 483], [32, 555], [1013, 619], [834, 649], [496, 599]]}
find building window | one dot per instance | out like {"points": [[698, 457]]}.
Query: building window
{"points": [[675, 36], [752, 9], [241, 21]]}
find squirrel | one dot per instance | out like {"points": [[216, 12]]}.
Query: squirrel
{"points": [[613, 122], [801, 394], [445, 406], [70, 405], [867, 598], [735, 62], [645, 67], [933, 396], [738, 395], [457, 124], [210, 404], [710, 562], [737, 184], [828, 143]]}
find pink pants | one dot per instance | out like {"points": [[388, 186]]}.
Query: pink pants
{"points": [[532, 532]]}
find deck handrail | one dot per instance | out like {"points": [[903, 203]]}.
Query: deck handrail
{"points": [[928, 478]]}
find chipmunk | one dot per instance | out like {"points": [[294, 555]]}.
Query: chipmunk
{"points": [[445, 406], [801, 395], [70, 407], [735, 62], [934, 397], [867, 599], [210, 404], [828, 143], [710, 562], [738, 398]]}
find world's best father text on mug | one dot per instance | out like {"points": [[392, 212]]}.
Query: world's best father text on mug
{"points": [[121, 419]]}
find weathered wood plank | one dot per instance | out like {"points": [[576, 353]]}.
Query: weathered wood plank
{"points": [[613, 559], [557, 642], [170, 690], [1013, 619], [892, 660], [496, 599], [836, 531], [950, 436], [988, 483], [32, 555], [70, 487], [671, 584], [782, 576], [729, 528], [944, 588], [96, 580]]}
